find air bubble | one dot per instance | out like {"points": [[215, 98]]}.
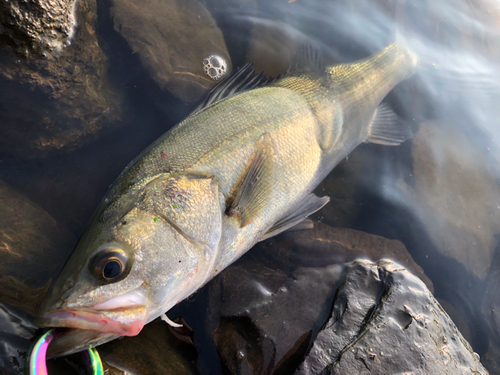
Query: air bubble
{"points": [[215, 67]]}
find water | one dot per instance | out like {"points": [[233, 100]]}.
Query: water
{"points": [[73, 119]]}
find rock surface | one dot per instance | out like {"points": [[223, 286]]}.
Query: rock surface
{"points": [[455, 195], [56, 93], [159, 349], [264, 308], [385, 321], [29, 237], [490, 309], [172, 39]]}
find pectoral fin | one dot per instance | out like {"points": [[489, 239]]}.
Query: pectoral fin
{"points": [[297, 215], [253, 194], [387, 128]]}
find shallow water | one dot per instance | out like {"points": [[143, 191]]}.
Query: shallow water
{"points": [[72, 120]]}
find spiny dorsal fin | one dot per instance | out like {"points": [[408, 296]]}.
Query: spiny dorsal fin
{"points": [[253, 194], [387, 128], [242, 79], [297, 215]]}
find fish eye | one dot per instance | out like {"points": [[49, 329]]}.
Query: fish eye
{"points": [[110, 265]]}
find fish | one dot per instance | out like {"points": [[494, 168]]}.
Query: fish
{"points": [[240, 169]]}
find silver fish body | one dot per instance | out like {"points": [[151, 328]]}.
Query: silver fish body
{"points": [[236, 172]]}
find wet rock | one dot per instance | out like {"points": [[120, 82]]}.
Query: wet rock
{"points": [[158, 349], [16, 330], [385, 321], [273, 46], [172, 39], [29, 237], [490, 309], [455, 195], [36, 26], [324, 245], [57, 94], [264, 308]]}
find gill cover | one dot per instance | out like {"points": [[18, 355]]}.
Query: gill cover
{"points": [[189, 203]]}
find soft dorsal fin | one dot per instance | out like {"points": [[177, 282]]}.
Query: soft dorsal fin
{"points": [[309, 205], [257, 185], [309, 57], [387, 128], [242, 79]]}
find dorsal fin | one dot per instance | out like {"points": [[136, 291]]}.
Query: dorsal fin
{"points": [[242, 79], [309, 57]]}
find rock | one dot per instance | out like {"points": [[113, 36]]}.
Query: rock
{"points": [[273, 46], [325, 245], [57, 93], [172, 39], [385, 321], [37, 26], [490, 309], [158, 349], [455, 195], [16, 331], [29, 237], [262, 309]]}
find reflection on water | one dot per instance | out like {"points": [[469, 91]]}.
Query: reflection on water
{"points": [[73, 118]]}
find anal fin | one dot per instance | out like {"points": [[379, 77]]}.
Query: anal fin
{"points": [[297, 215], [387, 128], [253, 194]]}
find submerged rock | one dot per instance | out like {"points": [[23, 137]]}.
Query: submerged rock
{"points": [[385, 321], [29, 237], [264, 309], [490, 309], [173, 38], [56, 93], [455, 195]]}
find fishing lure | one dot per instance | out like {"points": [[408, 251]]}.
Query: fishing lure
{"points": [[38, 353]]}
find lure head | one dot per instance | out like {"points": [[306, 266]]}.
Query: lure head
{"points": [[142, 253]]}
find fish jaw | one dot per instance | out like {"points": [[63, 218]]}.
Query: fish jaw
{"points": [[127, 321], [70, 341], [84, 327]]}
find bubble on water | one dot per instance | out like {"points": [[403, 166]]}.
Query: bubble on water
{"points": [[215, 67]]}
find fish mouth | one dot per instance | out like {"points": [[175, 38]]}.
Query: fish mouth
{"points": [[123, 321], [74, 340], [91, 327]]}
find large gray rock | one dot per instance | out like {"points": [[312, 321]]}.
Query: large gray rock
{"points": [[385, 321], [263, 309]]}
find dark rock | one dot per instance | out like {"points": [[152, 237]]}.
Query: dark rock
{"points": [[158, 349], [29, 237], [490, 309], [273, 46], [16, 331], [280, 292], [455, 195], [385, 321], [325, 245], [55, 99], [172, 39]]}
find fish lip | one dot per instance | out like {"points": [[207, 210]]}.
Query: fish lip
{"points": [[73, 340], [104, 321]]}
